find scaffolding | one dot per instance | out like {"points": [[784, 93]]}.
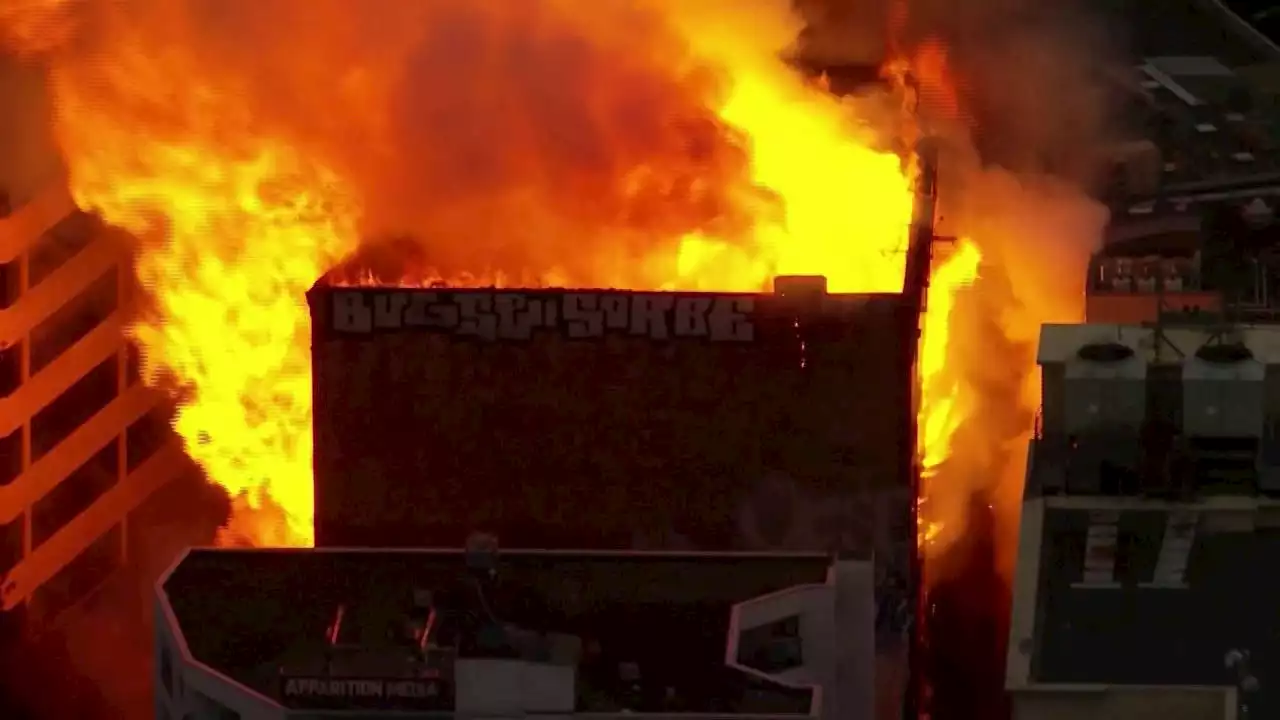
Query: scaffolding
{"points": [[82, 442]]}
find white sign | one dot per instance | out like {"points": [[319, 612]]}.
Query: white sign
{"points": [[513, 315]]}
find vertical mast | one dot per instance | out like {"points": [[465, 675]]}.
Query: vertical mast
{"points": [[915, 291]]}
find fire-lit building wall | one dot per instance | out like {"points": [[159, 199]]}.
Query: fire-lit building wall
{"points": [[71, 470], [84, 448], [1136, 308], [618, 420], [1131, 291], [82, 443], [613, 420]]}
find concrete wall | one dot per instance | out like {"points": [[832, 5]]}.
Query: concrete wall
{"points": [[513, 688], [186, 690], [210, 696], [843, 32], [167, 669], [837, 621], [417, 409], [1124, 703]]}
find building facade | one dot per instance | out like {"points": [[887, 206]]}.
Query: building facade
{"points": [[1149, 519]]}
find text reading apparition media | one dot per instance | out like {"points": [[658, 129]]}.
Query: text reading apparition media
{"points": [[516, 315]]}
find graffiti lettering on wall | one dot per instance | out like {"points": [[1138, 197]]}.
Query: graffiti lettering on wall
{"points": [[510, 315]]}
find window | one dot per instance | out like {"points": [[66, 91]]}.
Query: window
{"points": [[772, 648]]}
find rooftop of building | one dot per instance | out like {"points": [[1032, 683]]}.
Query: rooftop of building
{"points": [[1202, 88], [1143, 594], [1185, 27], [646, 631]]}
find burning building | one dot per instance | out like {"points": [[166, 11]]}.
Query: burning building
{"points": [[1150, 488], [623, 420], [614, 419], [647, 147]]}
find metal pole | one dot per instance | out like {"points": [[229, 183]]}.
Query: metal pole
{"points": [[915, 293]]}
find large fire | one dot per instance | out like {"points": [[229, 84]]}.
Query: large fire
{"points": [[650, 145]]}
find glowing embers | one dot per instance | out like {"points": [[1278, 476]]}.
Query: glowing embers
{"points": [[800, 291], [801, 344], [942, 406]]}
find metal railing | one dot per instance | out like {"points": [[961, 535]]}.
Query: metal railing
{"points": [[56, 493]]}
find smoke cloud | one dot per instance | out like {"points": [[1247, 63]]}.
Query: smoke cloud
{"points": [[1018, 164], [26, 143], [506, 137]]}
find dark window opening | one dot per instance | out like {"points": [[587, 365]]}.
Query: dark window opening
{"points": [[80, 577], [73, 321], [11, 544], [9, 283], [146, 435], [61, 243], [73, 408], [772, 648], [133, 364], [11, 456], [10, 369], [74, 494]]}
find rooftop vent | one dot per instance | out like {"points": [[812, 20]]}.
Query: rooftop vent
{"points": [[1224, 353], [800, 285], [1107, 352]]}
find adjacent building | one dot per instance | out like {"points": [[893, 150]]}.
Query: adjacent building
{"points": [[1150, 515]]}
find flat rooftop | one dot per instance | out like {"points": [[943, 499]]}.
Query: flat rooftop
{"points": [[1204, 89], [1106, 587], [253, 614]]}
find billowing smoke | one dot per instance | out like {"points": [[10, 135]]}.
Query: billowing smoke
{"points": [[508, 138], [1022, 155], [251, 146], [26, 143], [1018, 184], [557, 139], [1036, 75], [1035, 232]]}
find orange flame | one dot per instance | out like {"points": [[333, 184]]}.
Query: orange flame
{"points": [[940, 415], [937, 84], [247, 175]]}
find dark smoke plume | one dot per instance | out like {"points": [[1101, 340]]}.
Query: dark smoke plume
{"points": [[1033, 81]]}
